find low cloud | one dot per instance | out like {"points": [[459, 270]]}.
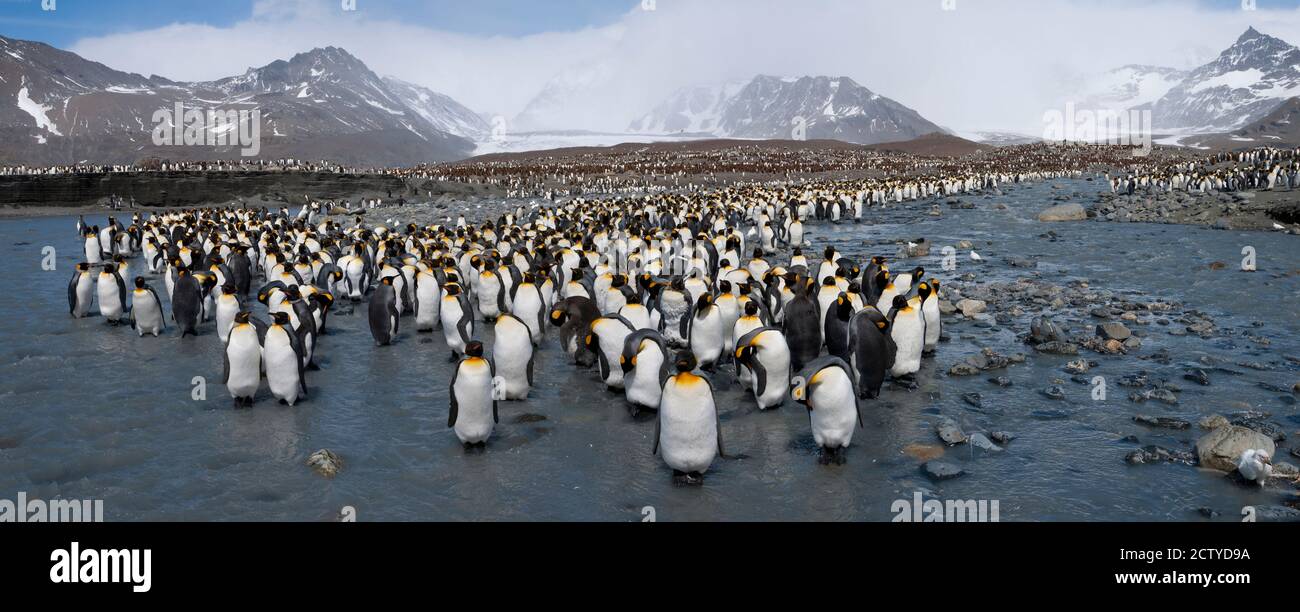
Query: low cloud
{"points": [[988, 64]]}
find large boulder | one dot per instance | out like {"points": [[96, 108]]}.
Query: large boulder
{"points": [[1064, 212], [1221, 448]]}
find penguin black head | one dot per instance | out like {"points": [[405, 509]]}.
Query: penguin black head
{"points": [[109, 268], [634, 299], [243, 317], [139, 282], [923, 290], [387, 280], [280, 318], [844, 307], [559, 316], [83, 267], [704, 302], [751, 308], [685, 362], [797, 252], [918, 274], [474, 349], [829, 281], [900, 302], [829, 254], [227, 289], [451, 288]]}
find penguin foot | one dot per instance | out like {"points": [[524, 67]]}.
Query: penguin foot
{"points": [[687, 479], [284, 403]]}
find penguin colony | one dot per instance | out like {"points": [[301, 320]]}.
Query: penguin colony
{"points": [[660, 294]]}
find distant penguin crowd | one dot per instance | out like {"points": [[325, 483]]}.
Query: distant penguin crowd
{"points": [[663, 295]]}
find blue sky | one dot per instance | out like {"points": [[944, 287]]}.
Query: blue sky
{"points": [[75, 19]]}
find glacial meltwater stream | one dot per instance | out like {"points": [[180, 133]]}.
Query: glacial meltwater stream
{"points": [[91, 411]]}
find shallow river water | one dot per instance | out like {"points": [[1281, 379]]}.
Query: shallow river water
{"points": [[89, 411]]}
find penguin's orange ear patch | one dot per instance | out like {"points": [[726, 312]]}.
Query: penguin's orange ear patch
{"points": [[880, 324]]}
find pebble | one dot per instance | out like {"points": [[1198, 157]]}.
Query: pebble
{"points": [[941, 470], [982, 442], [1158, 454], [1053, 392], [1002, 437], [1199, 377], [1114, 331], [1163, 422], [949, 432], [1080, 366], [1213, 422], [974, 399], [970, 308], [1161, 395], [1001, 381], [325, 462]]}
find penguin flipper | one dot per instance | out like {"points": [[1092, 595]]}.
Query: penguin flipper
{"points": [[531, 359], [655, 450], [225, 363], [72, 292], [760, 377], [451, 392], [717, 424], [492, 368]]}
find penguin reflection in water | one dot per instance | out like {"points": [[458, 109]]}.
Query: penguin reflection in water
{"points": [[474, 391], [688, 433]]}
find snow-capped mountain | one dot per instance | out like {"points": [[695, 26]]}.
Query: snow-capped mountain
{"points": [[691, 110], [1130, 86], [323, 104], [440, 110], [1243, 85], [775, 107]]}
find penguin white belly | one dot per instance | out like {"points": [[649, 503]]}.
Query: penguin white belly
{"points": [[428, 300], [834, 414], [730, 312], [527, 305], [932, 326], [227, 308], [489, 286], [93, 255], [637, 315], [512, 350], [706, 337], [281, 366], [642, 383], [245, 356], [775, 358], [688, 426], [85, 295], [148, 315], [909, 334], [110, 304], [473, 391], [451, 315]]}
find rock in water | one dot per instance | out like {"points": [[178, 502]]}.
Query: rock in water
{"points": [[949, 432], [1222, 448], [1114, 331], [1064, 212], [1044, 330], [325, 462], [940, 470], [1078, 367], [1213, 422], [971, 308], [982, 442], [1199, 377], [1165, 422]]}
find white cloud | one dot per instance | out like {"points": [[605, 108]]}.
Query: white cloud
{"points": [[990, 64]]}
